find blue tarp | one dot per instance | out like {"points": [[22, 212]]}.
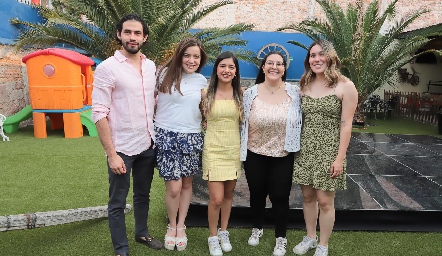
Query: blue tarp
{"points": [[12, 9], [258, 39]]}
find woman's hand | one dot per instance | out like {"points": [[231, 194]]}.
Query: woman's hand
{"points": [[337, 168]]}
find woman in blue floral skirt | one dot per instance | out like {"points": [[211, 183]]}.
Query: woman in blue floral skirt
{"points": [[178, 133]]}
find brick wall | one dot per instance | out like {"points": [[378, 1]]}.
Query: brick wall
{"points": [[271, 15], [428, 19], [14, 93]]}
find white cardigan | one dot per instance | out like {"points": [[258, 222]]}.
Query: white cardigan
{"points": [[294, 119]]}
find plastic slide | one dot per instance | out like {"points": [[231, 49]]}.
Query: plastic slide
{"points": [[12, 122], [86, 120]]}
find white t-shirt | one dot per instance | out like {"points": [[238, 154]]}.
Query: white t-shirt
{"points": [[181, 113]]}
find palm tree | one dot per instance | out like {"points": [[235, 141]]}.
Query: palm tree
{"points": [[169, 21], [370, 56]]}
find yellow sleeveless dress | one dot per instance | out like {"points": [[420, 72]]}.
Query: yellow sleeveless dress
{"points": [[221, 143]]}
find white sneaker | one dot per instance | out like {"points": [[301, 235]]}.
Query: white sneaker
{"points": [[321, 250], [306, 244], [254, 238], [214, 248], [281, 244], [224, 240]]}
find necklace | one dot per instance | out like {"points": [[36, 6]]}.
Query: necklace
{"points": [[225, 98], [272, 92]]}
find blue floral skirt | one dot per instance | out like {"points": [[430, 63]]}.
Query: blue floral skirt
{"points": [[178, 154]]}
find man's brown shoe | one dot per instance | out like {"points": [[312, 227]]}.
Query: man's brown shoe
{"points": [[149, 241]]}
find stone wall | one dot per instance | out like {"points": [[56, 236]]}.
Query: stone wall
{"points": [[14, 93], [271, 15]]}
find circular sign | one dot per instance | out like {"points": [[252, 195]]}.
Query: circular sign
{"points": [[274, 47]]}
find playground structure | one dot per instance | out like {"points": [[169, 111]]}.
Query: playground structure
{"points": [[60, 88]]}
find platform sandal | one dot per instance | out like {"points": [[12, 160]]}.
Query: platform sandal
{"points": [[181, 242], [169, 241]]}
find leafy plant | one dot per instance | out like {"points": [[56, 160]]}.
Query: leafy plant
{"points": [[370, 52], [90, 26]]}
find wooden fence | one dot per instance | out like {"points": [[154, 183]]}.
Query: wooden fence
{"points": [[420, 107]]}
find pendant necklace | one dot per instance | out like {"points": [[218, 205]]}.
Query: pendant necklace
{"points": [[222, 96], [272, 92]]}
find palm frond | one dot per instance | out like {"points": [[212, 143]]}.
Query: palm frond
{"points": [[369, 55], [303, 46], [193, 18], [169, 22], [215, 40]]}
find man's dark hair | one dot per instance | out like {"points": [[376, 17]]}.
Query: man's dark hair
{"points": [[131, 16]]}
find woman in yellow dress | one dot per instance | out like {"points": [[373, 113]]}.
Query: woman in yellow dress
{"points": [[223, 109]]}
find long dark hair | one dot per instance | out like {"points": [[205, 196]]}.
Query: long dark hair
{"points": [[174, 65], [261, 77], [213, 85]]}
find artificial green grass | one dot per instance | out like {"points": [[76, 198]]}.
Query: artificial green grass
{"points": [[398, 125], [57, 173], [50, 174]]}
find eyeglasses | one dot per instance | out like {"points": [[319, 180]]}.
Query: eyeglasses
{"points": [[278, 64]]}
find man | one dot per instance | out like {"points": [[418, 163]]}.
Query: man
{"points": [[122, 109]]}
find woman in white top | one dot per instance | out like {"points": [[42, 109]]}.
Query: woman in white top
{"points": [[178, 133], [270, 134]]}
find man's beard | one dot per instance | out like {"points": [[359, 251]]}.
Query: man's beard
{"points": [[130, 49]]}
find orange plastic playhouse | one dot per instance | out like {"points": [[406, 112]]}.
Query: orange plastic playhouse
{"points": [[60, 87]]}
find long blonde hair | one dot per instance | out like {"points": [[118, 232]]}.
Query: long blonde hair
{"points": [[172, 71], [209, 99], [332, 73]]}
